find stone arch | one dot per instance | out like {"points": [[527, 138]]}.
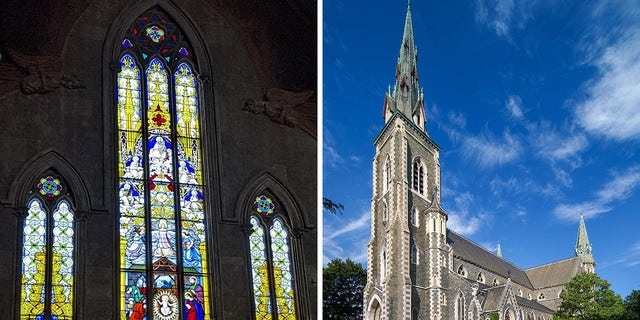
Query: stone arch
{"points": [[293, 219], [374, 309], [49, 160], [298, 220], [418, 175], [509, 313]]}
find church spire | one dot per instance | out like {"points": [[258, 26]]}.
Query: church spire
{"points": [[407, 97], [499, 253], [583, 246]]}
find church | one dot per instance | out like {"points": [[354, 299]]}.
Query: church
{"points": [[417, 267], [159, 160]]}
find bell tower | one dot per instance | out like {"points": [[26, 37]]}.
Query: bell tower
{"points": [[408, 255]]}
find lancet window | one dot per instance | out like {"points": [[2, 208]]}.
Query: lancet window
{"points": [[48, 250], [271, 263], [164, 272]]}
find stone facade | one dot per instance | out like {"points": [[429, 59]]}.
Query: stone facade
{"points": [[419, 269], [257, 82]]}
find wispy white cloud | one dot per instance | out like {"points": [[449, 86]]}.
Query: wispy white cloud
{"points": [[346, 237], [612, 109], [629, 259], [330, 155], [461, 218], [551, 143], [620, 187], [458, 119], [512, 186], [487, 150], [562, 147], [495, 14], [514, 106]]}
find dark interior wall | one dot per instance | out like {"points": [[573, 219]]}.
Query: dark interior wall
{"points": [[56, 96]]}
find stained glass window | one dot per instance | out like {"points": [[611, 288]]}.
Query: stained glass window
{"points": [[47, 255], [271, 269], [163, 235]]}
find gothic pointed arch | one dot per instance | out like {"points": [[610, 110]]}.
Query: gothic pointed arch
{"points": [[418, 175], [276, 265], [48, 160], [49, 195], [460, 308], [374, 309], [265, 181], [164, 178]]}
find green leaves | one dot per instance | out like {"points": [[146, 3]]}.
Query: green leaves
{"points": [[343, 283], [587, 297]]}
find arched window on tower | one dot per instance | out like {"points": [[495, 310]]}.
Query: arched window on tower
{"points": [[47, 285], [418, 176], [383, 264], [414, 217], [163, 233], [271, 266], [480, 277], [414, 254], [386, 174], [385, 211]]}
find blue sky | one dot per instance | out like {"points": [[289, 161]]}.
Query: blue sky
{"points": [[535, 103]]}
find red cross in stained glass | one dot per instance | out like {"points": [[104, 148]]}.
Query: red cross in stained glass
{"points": [[159, 120]]}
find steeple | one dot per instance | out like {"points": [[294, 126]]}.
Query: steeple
{"points": [[499, 253], [583, 246], [407, 97]]}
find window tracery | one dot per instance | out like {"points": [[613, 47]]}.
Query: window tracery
{"points": [[271, 266], [163, 235], [48, 253]]}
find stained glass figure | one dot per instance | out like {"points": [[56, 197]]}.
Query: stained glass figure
{"points": [[48, 293], [273, 283], [163, 235]]}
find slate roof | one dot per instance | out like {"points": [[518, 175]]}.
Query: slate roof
{"points": [[555, 273], [493, 299], [531, 304], [473, 253]]}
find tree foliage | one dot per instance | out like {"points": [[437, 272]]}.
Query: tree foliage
{"points": [[587, 297], [632, 306], [343, 283], [332, 207]]}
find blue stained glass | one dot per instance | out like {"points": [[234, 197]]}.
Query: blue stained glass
{"points": [[127, 43]]}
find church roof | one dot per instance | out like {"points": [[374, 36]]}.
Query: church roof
{"points": [[555, 273], [531, 304], [473, 253], [494, 298]]}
